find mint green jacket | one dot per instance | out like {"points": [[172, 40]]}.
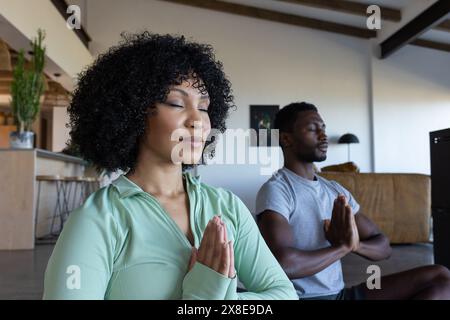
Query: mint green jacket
{"points": [[121, 244]]}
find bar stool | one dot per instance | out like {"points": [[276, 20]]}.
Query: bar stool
{"points": [[82, 187], [60, 207], [71, 192]]}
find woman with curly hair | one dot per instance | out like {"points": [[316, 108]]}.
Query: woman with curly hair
{"points": [[138, 237]]}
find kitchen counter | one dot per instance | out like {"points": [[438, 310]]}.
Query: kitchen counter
{"points": [[50, 155], [19, 192]]}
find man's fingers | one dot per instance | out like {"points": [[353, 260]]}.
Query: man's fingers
{"points": [[326, 225], [356, 238], [334, 214], [342, 214], [351, 225]]}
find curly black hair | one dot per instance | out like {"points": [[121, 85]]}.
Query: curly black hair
{"points": [[115, 95]]}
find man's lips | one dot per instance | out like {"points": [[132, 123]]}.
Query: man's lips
{"points": [[323, 147]]}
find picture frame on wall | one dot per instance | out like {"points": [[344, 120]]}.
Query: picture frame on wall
{"points": [[262, 117]]}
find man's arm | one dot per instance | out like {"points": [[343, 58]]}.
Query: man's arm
{"points": [[296, 263], [373, 245]]}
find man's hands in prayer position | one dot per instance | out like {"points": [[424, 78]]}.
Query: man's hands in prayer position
{"points": [[215, 251], [342, 229]]}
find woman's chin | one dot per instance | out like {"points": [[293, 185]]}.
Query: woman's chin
{"points": [[191, 161]]}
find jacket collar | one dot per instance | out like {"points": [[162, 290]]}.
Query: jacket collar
{"points": [[128, 188]]}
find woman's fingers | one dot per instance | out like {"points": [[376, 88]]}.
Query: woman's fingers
{"points": [[210, 243], [232, 271], [225, 236], [218, 248], [215, 251], [224, 267], [202, 249], [193, 258]]}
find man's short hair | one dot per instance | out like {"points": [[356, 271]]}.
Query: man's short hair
{"points": [[286, 117]]}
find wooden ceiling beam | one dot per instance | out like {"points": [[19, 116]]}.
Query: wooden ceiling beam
{"points": [[444, 26], [417, 26], [431, 44], [351, 7], [280, 17]]}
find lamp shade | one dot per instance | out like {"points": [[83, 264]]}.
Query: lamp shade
{"points": [[348, 138]]}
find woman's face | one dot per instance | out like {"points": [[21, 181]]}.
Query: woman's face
{"points": [[178, 130]]}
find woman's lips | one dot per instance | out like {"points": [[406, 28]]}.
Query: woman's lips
{"points": [[194, 141]]}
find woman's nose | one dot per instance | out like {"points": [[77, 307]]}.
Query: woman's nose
{"points": [[195, 119]]}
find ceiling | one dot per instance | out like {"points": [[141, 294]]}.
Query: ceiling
{"points": [[332, 12]]}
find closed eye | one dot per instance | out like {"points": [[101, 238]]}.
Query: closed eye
{"points": [[174, 105]]}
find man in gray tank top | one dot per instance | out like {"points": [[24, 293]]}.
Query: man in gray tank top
{"points": [[310, 223]]}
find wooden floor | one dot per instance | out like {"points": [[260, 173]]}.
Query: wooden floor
{"points": [[404, 257], [22, 272]]}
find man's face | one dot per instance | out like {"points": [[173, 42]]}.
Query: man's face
{"points": [[308, 141]]}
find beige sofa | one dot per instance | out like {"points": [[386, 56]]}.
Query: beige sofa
{"points": [[400, 204]]}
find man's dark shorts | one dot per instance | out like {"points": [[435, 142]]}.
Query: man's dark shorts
{"points": [[353, 293]]}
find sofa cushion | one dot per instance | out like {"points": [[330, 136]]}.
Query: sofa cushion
{"points": [[400, 204]]}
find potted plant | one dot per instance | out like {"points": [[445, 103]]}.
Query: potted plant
{"points": [[27, 88]]}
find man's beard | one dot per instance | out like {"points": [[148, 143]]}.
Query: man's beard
{"points": [[311, 157]]}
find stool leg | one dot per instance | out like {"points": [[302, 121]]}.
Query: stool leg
{"points": [[74, 195], [81, 200], [57, 208], [36, 220], [65, 211]]}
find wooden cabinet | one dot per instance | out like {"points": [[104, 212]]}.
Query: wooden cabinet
{"points": [[4, 135]]}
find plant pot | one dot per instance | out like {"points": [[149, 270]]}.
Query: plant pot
{"points": [[24, 140]]}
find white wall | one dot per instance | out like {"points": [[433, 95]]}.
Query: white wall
{"points": [[60, 133], [411, 98], [272, 63], [267, 63]]}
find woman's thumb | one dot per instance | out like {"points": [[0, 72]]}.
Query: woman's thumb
{"points": [[193, 258]]}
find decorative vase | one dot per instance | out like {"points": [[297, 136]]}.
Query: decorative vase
{"points": [[24, 140]]}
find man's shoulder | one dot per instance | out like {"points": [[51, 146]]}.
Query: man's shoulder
{"points": [[332, 185], [278, 181]]}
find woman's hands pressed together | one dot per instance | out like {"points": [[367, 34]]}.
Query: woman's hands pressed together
{"points": [[215, 251]]}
